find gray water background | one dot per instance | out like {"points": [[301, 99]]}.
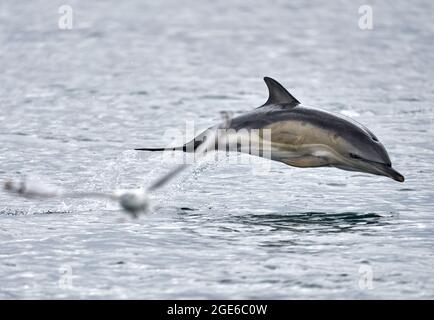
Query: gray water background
{"points": [[74, 103]]}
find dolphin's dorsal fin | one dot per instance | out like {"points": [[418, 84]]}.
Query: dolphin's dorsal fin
{"points": [[278, 94]]}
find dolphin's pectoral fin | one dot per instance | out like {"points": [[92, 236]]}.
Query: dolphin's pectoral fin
{"points": [[278, 94]]}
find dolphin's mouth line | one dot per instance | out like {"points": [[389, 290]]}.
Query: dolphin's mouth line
{"points": [[382, 168], [369, 161]]}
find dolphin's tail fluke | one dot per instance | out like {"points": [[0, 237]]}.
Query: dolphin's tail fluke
{"points": [[188, 147], [161, 149]]}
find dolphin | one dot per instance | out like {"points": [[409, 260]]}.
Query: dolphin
{"points": [[305, 137]]}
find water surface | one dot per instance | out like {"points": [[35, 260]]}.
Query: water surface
{"points": [[76, 102]]}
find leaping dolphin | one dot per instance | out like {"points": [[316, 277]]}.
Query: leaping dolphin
{"points": [[306, 137]]}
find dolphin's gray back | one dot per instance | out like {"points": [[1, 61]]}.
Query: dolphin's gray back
{"points": [[265, 116]]}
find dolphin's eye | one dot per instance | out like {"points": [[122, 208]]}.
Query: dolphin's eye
{"points": [[354, 156]]}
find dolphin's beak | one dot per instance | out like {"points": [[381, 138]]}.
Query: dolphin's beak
{"points": [[372, 167], [395, 175], [388, 172]]}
